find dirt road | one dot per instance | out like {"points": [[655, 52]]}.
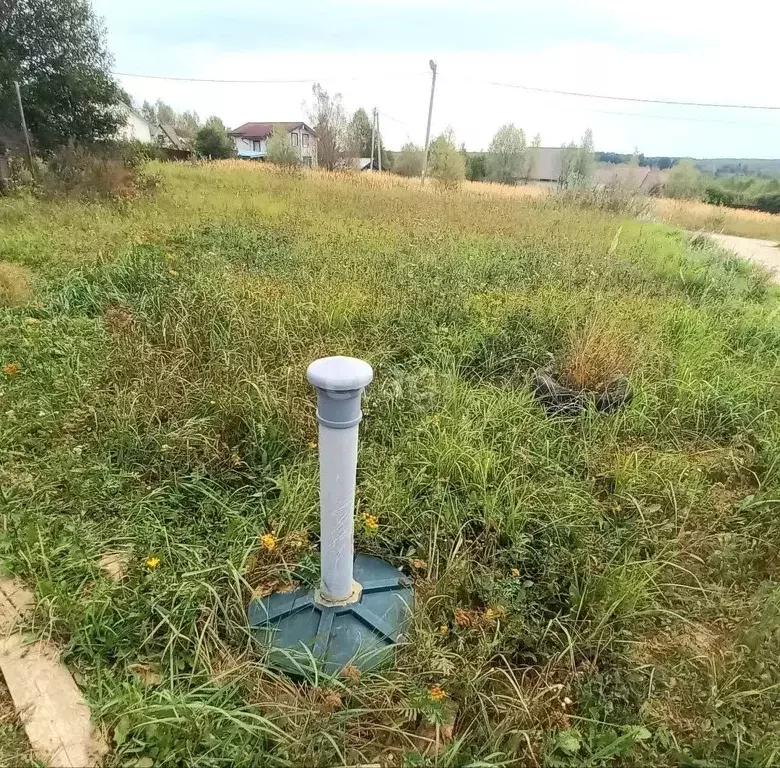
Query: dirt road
{"points": [[766, 252]]}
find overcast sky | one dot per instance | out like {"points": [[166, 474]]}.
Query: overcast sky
{"points": [[376, 54]]}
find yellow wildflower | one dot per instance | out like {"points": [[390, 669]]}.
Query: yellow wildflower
{"points": [[493, 614], [371, 523], [443, 629], [268, 540], [152, 562], [515, 572], [437, 693], [311, 445], [11, 369]]}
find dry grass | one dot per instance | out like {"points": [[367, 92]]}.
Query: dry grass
{"points": [[694, 215], [15, 285], [597, 351], [393, 181]]}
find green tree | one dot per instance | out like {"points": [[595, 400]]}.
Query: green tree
{"points": [[409, 161], [577, 163], [567, 176], [360, 129], [359, 138], [56, 50], [507, 156], [586, 159], [186, 124], [476, 166], [149, 112], [329, 120], [684, 182], [446, 164], [212, 140], [280, 149], [533, 157]]}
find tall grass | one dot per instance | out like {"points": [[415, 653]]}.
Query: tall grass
{"points": [[694, 215], [589, 592]]}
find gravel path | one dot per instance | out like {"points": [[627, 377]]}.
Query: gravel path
{"points": [[766, 252]]}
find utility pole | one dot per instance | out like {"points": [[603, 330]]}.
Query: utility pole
{"points": [[379, 141], [373, 139], [432, 65], [24, 128]]}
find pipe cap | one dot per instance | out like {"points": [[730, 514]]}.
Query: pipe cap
{"points": [[339, 374]]}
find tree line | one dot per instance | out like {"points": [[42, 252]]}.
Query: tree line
{"points": [[687, 182], [509, 159]]}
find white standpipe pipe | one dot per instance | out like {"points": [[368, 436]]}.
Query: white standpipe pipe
{"points": [[339, 382]]}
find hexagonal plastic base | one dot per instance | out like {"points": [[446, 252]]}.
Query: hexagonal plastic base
{"points": [[302, 633]]}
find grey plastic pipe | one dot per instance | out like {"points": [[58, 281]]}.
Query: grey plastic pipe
{"points": [[339, 382]]}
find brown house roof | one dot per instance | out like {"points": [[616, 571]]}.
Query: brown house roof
{"points": [[263, 130], [170, 133]]}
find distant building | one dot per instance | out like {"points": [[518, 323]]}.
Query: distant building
{"points": [[545, 169], [545, 164], [251, 140], [135, 126], [357, 164], [634, 177], [168, 137], [366, 163]]}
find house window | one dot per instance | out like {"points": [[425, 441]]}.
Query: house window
{"points": [[256, 146], [294, 139], [305, 139]]}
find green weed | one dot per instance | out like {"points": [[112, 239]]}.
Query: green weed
{"points": [[595, 592]]}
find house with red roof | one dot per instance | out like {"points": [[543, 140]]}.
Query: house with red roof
{"points": [[251, 140]]}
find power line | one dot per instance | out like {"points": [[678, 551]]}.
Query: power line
{"points": [[632, 98], [519, 86], [394, 119], [205, 79], [259, 82], [684, 119]]}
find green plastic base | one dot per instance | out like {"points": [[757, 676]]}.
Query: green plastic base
{"points": [[303, 635]]}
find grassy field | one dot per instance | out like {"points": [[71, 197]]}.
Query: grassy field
{"points": [[598, 591], [694, 215]]}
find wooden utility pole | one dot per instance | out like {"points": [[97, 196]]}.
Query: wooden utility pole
{"points": [[379, 141], [24, 128], [373, 139], [432, 65]]}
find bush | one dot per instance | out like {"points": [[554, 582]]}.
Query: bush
{"points": [[447, 164], [768, 203], [213, 141], [610, 198], [409, 161], [476, 166], [685, 181], [111, 171], [750, 192], [135, 153], [280, 150]]}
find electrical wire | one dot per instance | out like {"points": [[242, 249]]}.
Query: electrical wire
{"points": [[263, 82], [519, 86], [632, 98]]}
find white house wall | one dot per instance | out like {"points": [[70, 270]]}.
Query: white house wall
{"points": [[135, 129]]}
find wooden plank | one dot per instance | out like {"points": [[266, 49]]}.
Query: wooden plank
{"points": [[51, 708]]}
